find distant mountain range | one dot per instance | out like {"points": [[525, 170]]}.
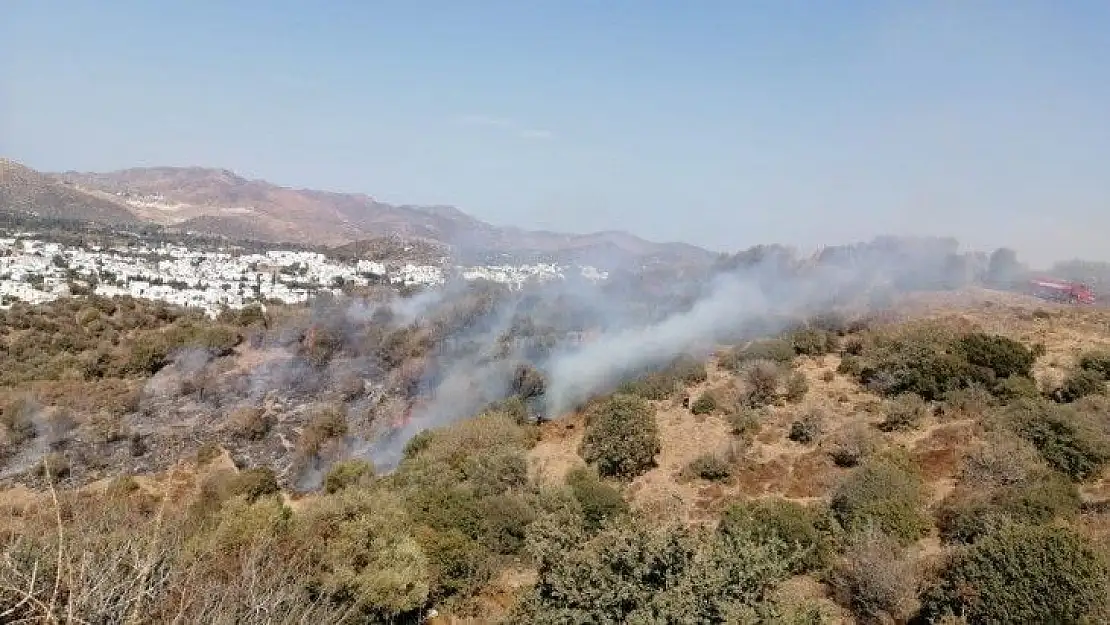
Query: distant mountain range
{"points": [[220, 202]]}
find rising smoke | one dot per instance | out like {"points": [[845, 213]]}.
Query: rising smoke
{"points": [[400, 366]]}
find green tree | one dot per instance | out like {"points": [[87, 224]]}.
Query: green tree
{"points": [[622, 438]]}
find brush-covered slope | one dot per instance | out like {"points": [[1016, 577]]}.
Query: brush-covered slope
{"points": [[945, 457]]}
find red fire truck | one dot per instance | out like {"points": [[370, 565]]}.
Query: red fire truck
{"points": [[1061, 291]]}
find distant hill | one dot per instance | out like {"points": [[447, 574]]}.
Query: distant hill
{"points": [[218, 201], [24, 190]]}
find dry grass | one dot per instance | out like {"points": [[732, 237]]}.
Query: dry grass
{"points": [[775, 466]]}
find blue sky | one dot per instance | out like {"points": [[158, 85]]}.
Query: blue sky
{"points": [[722, 123]]}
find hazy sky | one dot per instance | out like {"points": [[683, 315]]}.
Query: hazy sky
{"points": [[723, 123]]}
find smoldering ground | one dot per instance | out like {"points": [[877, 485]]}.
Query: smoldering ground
{"points": [[402, 365]]}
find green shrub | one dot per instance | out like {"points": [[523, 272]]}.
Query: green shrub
{"points": [[346, 473], [974, 401], [967, 519], [621, 438], [496, 470], [774, 350], [598, 500], [503, 521], [1006, 357], [1097, 361], [1041, 497], [1016, 387], [710, 467], [653, 386], [705, 404], [444, 506], [886, 493], [255, 483], [1020, 574], [368, 558], [788, 521], [905, 412], [689, 370], [813, 342], [418, 443], [926, 373], [850, 365], [1079, 384], [457, 565], [1069, 440], [796, 387], [807, 429], [633, 573]]}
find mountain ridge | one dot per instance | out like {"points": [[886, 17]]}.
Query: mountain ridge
{"points": [[219, 201]]}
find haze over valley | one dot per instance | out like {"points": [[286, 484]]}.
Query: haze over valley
{"points": [[606, 313]]}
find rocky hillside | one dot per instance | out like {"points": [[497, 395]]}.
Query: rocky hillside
{"points": [[219, 201], [24, 190]]}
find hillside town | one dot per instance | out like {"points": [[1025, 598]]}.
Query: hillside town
{"points": [[34, 270]]}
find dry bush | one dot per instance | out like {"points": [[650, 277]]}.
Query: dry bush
{"points": [[905, 412], [54, 466], [874, 579], [809, 428], [208, 452], [999, 460], [708, 466], [328, 423], [17, 419], [972, 402], [125, 559], [107, 427], [762, 379], [250, 422], [349, 386], [796, 387], [746, 422], [55, 425], [852, 445]]}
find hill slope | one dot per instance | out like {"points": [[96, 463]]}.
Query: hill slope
{"points": [[219, 201], [25, 190]]}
